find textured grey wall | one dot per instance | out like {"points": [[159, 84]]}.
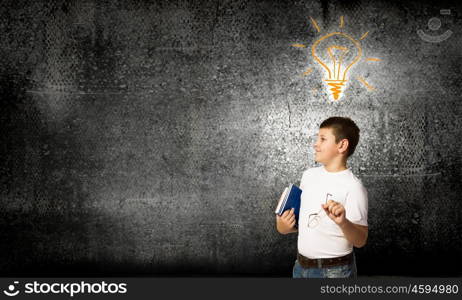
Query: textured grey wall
{"points": [[156, 137]]}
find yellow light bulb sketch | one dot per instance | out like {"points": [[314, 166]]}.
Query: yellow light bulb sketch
{"points": [[336, 53], [334, 61]]}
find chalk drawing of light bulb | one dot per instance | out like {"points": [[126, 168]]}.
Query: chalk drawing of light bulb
{"points": [[336, 52]]}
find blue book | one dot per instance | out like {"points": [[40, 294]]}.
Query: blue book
{"points": [[289, 201]]}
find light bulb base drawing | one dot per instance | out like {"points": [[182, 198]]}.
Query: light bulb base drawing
{"points": [[336, 87]]}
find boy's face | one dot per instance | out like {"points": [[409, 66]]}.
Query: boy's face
{"points": [[325, 147]]}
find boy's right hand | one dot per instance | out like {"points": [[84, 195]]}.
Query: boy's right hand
{"points": [[285, 223]]}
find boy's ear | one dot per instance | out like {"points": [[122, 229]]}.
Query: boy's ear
{"points": [[343, 145]]}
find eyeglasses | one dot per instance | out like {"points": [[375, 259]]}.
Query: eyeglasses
{"points": [[313, 219]]}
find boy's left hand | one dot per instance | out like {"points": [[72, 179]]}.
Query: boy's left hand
{"points": [[335, 211]]}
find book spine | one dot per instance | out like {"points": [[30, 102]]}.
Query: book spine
{"points": [[278, 208], [286, 198]]}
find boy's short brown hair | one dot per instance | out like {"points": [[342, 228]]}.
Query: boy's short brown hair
{"points": [[343, 128]]}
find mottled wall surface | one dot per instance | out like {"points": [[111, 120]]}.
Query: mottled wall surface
{"points": [[156, 137]]}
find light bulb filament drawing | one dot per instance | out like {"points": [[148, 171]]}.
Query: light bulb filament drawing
{"points": [[337, 62]]}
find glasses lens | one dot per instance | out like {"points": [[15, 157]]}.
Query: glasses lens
{"points": [[313, 220]]}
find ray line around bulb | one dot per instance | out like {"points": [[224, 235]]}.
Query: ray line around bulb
{"points": [[364, 36], [307, 72], [341, 22], [368, 86], [313, 21]]}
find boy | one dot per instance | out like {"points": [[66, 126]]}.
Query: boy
{"points": [[333, 208]]}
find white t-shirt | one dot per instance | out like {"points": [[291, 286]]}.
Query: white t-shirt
{"points": [[326, 239]]}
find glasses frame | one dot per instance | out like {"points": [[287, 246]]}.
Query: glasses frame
{"points": [[313, 219]]}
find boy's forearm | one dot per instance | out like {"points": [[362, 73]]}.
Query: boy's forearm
{"points": [[354, 234]]}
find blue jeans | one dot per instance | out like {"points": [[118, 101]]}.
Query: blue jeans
{"points": [[342, 271]]}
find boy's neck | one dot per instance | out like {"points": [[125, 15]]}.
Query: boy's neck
{"points": [[335, 166]]}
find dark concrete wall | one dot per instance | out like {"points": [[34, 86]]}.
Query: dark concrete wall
{"points": [[156, 137]]}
